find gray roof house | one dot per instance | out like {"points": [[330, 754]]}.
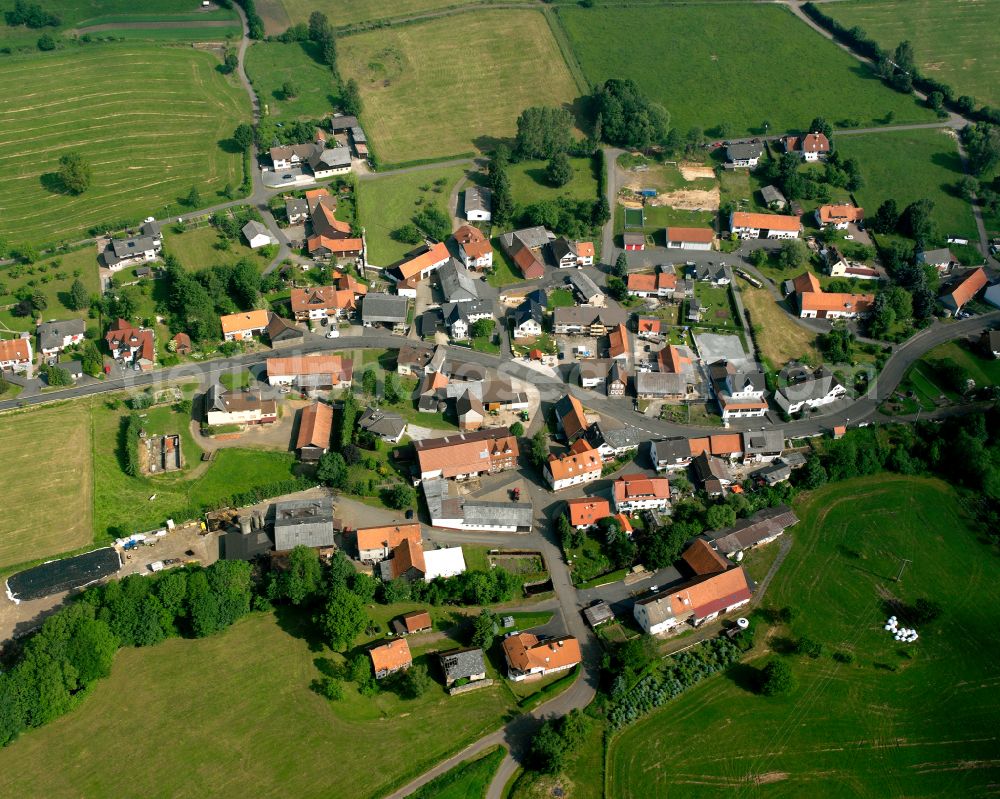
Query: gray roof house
{"points": [[387, 426], [253, 229], [308, 522], [613, 441], [763, 444], [457, 283], [743, 153], [296, 209], [772, 196], [818, 389], [383, 309], [534, 238], [762, 527], [330, 158], [463, 664], [660, 385], [586, 288], [478, 201], [56, 335]]}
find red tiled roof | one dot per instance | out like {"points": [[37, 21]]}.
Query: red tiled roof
{"points": [[391, 656], [587, 510], [321, 297], [701, 235], [618, 341], [525, 652], [413, 267], [639, 486], [575, 463], [831, 214], [833, 301], [742, 219], [806, 282], [15, 349], [969, 287], [703, 559]]}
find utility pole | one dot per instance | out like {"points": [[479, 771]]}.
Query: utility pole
{"points": [[901, 567]]}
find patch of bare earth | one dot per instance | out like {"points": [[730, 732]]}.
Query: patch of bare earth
{"points": [[690, 200], [695, 171]]}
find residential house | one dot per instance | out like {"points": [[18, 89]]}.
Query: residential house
{"points": [[457, 284], [744, 154], [405, 562], [450, 509], [636, 492], [460, 316], [292, 155], [586, 512], [614, 442], [812, 147], [375, 544], [649, 327], [15, 354], [571, 418], [588, 320], [283, 334], [303, 522], [470, 412], [616, 383], [478, 204], [340, 248], [574, 468], [256, 234], [463, 455], [571, 254], [528, 655], [593, 372], [662, 386], [943, 260], [422, 265], [145, 247], [527, 261], [223, 407], [840, 266], [245, 325], [586, 289], [965, 290], [774, 473], [712, 473], [764, 226], [529, 315], [463, 664], [444, 562], [716, 274], [689, 238], [761, 528], [634, 242], [411, 361], [390, 657], [740, 393], [676, 359], [132, 345], [814, 303], [474, 248], [54, 337], [662, 284], [315, 424], [773, 198], [418, 621], [811, 392], [309, 373], [695, 602], [390, 427], [388, 310], [296, 210], [322, 302], [839, 216], [763, 446], [499, 394], [182, 344], [619, 348], [670, 453], [694, 310]]}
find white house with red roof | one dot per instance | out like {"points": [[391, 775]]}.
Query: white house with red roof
{"points": [[635, 492], [15, 354], [131, 344]]}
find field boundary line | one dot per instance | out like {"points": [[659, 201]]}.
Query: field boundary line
{"points": [[566, 50]]}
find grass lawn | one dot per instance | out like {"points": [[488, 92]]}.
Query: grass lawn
{"points": [[504, 272], [387, 203], [233, 381], [528, 184], [985, 371], [280, 14], [45, 467], [725, 63], [581, 778], [270, 64], [560, 298], [74, 14], [913, 720], [780, 338], [151, 121], [53, 277], [424, 99], [660, 217], [912, 165], [959, 46], [588, 561], [470, 780], [716, 310], [262, 731], [195, 249]]}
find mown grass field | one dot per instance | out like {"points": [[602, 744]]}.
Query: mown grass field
{"points": [[780, 339], [900, 720], [528, 184], [280, 14], [912, 165], [262, 731], [731, 63], [387, 203], [270, 64], [468, 780], [53, 277], [75, 14], [985, 371], [46, 465], [195, 249], [958, 44], [452, 85], [152, 121]]}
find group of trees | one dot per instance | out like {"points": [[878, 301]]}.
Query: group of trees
{"points": [[31, 15], [626, 117], [499, 183], [52, 669], [75, 173], [786, 174], [546, 133], [893, 305], [556, 740]]}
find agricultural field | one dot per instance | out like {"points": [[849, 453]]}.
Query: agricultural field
{"points": [[387, 203], [469, 780], [263, 733], [959, 46], [886, 719], [281, 14], [780, 338], [422, 98], [46, 469], [152, 122], [196, 249], [714, 64], [102, 17], [912, 165], [270, 64], [528, 184], [53, 277]]}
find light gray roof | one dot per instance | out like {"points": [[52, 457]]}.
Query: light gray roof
{"points": [[588, 288], [331, 158], [51, 334], [615, 437], [707, 467], [358, 134], [774, 472], [576, 315], [308, 522], [772, 195], [381, 423], [296, 205], [254, 228], [478, 199], [127, 248], [594, 369], [942, 256], [533, 238], [383, 308], [740, 152], [151, 228], [769, 440], [747, 532], [660, 383], [457, 283], [500, 514], [72, 367], [596, 614], [812, 388], [462, 663], [709, 271]]}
